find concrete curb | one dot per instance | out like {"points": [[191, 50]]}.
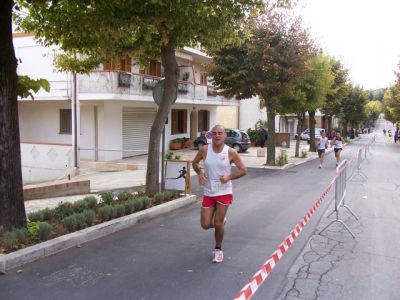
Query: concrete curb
{"points": [[38, 251]]}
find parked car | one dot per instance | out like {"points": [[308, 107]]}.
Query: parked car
{"points": [[305, 135], [235, 138]]}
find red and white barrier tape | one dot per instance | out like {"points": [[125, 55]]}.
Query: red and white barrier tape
{"points": [[259, 277]]}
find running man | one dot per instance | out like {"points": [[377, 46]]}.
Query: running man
{"points": [[338, 146], [182, 174], [322, 145], [216, 178]]}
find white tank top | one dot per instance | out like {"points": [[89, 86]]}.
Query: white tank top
{"points": [[322, 143], [216, 165], [339, 143]]}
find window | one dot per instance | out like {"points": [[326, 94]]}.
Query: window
{"points": [[231, 133], [203, 119], [178, 121], [65, 121], [203, 78], [125, 64], [153, 69]]}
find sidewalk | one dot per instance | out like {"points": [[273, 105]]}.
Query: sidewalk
{"points": [[333, 265], [136, 179]]}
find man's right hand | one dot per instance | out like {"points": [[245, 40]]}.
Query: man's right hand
{"points": [[202, 178]]}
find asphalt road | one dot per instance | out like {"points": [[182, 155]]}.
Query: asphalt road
{"points": [[170, 257]]}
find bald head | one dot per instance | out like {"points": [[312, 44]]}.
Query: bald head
{"points": [[219, 127]]}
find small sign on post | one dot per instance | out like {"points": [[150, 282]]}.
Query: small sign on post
{"points": [[177, 175]]}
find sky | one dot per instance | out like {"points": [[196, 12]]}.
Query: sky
{"points": [[363, 34]]}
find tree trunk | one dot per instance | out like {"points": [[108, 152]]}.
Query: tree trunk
{"points": [[329, 125], [12, 209], [344, 129], [300, 125], [311, 115], [271, 112], [171, 70]]}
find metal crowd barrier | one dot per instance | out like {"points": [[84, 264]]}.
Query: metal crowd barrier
{"points": [[340, 196], [357, 171]]}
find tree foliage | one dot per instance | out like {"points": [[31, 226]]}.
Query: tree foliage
{"points": [[340, 88], [265, 65], [107, 30], [391, 104], [310, 93], [27, 85], [353, 104], [373, 109]]}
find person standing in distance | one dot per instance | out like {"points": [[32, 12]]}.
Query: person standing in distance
{"points": [[337, 146], [216, 177], [322, 145]]}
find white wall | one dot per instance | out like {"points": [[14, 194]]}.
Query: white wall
{"points": [[39, 121], [87, 133], [110, 133], [36, 61], [43, 156], [250, 113]]}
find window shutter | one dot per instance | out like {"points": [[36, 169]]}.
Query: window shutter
{"points": [[184, 121]]}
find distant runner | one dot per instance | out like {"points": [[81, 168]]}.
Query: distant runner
{"points": [[338, 146], [322, 145]]}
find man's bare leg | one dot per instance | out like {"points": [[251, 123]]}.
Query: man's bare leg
{"points": [[207, 217], [219, 217]]}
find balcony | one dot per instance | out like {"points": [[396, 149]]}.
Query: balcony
{"points": [[129, 84]]}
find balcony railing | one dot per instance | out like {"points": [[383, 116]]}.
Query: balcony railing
{"points": [[141, 85]]}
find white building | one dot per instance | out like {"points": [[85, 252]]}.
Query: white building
{"points": [[114, 110]]}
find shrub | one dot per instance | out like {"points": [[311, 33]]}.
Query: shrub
{"points": [[145, 201], [80, 205], [44, 231], [48, 214], [177, 157], [158, 198], [107, 197], [169, 155], [253, 135], [70, 223], [89, 216], [282, 158], [91, 202], [303, 153], [63, 210], [105, 212], [124, 196], [129, 206], [33, 228], [14, 238], [35, 216], [137, 203], [80, 220], [119, 210], [175, 193], [168, 195], [41, 215]]}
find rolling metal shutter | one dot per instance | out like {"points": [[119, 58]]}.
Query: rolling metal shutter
{"points": [[136, 125]]}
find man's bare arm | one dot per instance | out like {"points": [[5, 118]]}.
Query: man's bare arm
{"points": [[241, 169], [196, 164], [198, 158]]}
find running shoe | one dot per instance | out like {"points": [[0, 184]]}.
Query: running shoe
{"points": [[320, 166], [218, 256]]}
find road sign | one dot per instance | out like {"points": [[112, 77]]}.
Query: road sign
{"points": [[158, 91]]}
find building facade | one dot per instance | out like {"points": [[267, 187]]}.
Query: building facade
{"points": [[114, 107]]}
